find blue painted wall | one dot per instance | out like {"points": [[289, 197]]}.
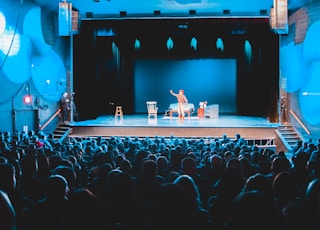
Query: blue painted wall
{"points": [[33, 62], [300, 70]]}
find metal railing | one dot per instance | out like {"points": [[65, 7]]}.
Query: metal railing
{"points": [[42, 127]]}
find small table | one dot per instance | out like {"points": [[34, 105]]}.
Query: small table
{"points": [[200, 112]]}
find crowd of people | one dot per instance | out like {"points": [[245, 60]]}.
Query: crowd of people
{"points": [[124, 183]]}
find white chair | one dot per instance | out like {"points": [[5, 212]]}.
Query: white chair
{"points": [[152, 109]]}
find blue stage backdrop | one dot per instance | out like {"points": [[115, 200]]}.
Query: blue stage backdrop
{"points": [[211, 80]]}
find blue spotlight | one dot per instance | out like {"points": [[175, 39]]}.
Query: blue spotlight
{"points": [[170, 44], [137, 44], [219, 44], [248, 50], [194, 43]]}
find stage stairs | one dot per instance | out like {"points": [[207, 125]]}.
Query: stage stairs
{"points": [[288, 135], [62, 132]]}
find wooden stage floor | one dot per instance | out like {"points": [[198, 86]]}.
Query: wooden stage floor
{"points": [[141, 126]]}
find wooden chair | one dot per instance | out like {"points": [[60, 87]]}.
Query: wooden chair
{"points": [[152, 109]]}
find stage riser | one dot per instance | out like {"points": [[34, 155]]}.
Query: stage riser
{"points": [[188, 132]]}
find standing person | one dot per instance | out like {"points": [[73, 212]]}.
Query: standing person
{"points": [[283, 103], [76, 115], [182, 99], [64, 106]]}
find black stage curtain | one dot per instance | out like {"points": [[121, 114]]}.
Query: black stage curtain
{"points": [[104, 65]]}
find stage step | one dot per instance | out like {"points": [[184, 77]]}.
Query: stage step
{"points": [[61, 132], [288, 135]]}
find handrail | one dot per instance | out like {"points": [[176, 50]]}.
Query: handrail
{"points": [[51, 118], [283, 140], [65, 135], [300, 122]]}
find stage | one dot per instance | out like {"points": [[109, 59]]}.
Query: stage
{"points": [[251, 128]]}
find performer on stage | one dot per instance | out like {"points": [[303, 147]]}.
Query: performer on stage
{"points": [[182, 99]]}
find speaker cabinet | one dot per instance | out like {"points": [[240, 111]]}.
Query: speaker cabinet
{"points": [[65, 18]]}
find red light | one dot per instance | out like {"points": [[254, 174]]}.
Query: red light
{"points": [[27, 99]]}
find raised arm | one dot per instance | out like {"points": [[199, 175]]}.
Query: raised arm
{"points": [[174, 94]]}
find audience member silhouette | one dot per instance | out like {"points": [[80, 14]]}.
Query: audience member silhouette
{"points": [[304, 213], [199, 216], [146, 183], [69, 174], [98, 179], [9, 182], [167, 211], [85, 211], [259, 182], [123, 209], [189, 167], [50, 212], [7, 213], [255, 210], [312, 196], [29, 185]]}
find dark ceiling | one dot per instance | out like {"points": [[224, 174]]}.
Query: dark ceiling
{"points": [[139, 8]]}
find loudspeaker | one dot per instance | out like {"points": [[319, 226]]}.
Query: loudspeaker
{"points": [[75, 21], [263, 12], [192, 12], [226, 11], [89, 14], [156, 12], [65, 18], [279, 16]]}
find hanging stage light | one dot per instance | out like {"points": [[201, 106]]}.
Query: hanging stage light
{"points": [[219, 44], [194, 43], [170, 44]]}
